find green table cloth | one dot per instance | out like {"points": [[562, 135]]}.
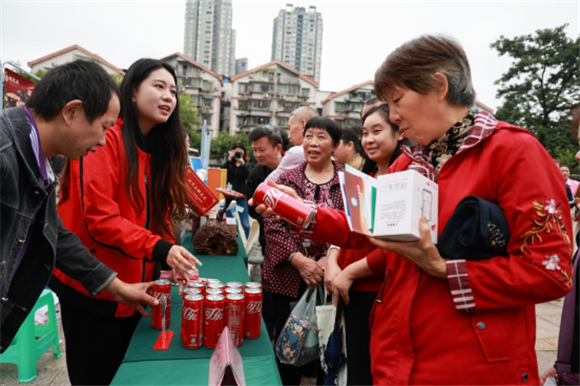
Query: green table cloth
{"points": [[258, 370], [180, 366]]}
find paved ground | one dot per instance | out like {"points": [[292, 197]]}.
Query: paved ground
{"points": [[52, 372]]}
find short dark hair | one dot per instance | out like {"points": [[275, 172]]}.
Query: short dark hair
{"points": [[269, 131], [371, 101], [325, 124], [350, 135], [83, 80], [414, 64]]}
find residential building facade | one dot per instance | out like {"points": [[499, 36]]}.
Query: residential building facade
{"points": [[209, 38], [297, 40], [344, 107], [267, 95], [202, 85], [70, 54], [241, 65]]}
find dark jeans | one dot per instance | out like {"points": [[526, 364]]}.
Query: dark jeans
{"points": [[244, 216], [95, 344], [358, 337]]}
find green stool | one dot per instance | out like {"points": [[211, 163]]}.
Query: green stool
{"points": [[32, 340]]}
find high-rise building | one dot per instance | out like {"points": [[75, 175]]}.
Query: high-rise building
{"points": [[209, 37], [241, 65], [297, 39]]}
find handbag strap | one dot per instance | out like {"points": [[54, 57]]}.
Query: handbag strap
{"points": [[338, 317], [563, 365]]}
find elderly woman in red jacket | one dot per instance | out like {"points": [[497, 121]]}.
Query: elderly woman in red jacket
{"points": [[292, 262], [439, 321]]}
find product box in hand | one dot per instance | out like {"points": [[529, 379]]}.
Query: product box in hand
{"points": [[390, 206], [199, 194]]}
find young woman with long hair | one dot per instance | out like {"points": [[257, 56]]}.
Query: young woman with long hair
{"points": [[381, 142], [118, 201]]}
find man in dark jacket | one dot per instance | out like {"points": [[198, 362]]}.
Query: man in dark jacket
{"points": [[266, 144], [68, 114]]}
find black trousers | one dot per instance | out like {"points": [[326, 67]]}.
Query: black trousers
{"points": [[358, 337], [291, 375], [95, 344]]}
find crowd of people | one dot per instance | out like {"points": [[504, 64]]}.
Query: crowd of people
{"points": [[411, 315]]}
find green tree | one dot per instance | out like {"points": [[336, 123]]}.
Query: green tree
{"points": [[118, 79], [188, 113], [222, 144], [542, 86]]}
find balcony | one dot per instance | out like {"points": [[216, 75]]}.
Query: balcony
{"points": [[206, 110]]}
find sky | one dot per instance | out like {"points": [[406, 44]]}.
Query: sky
{"points": [[358, 35]]}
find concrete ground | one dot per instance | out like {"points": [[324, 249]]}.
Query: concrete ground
{"points": [[52, 371]]}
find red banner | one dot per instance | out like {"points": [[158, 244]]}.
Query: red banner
{"points": [[18, 89]]}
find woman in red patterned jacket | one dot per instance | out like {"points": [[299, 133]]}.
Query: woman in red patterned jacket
{"points": [[447, 322], [291, 262]]}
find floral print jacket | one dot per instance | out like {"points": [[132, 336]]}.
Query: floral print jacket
{"points": [[279, 276]]}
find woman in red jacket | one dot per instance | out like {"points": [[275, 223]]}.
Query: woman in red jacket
{"points": [[381, 141], [117, 201], [466, 321]]}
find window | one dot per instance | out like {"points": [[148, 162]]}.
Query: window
{"points": [[305, 92], [339, 107], [242, 105], [207, 86], [193, 82]]}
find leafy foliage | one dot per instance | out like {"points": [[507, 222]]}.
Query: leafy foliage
{"points": [[541, 88], [189, 117], [222, 144]]}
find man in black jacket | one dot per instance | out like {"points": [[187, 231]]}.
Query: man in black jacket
{"points": [[267, 142], [68, 114]]}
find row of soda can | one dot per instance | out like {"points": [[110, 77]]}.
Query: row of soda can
{"points": [[207, 309]]}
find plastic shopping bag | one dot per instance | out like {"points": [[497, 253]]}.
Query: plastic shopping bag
{"points": [[298, 341]]}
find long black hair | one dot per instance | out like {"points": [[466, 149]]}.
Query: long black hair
{"points": [[164, 143], [384, 111]]}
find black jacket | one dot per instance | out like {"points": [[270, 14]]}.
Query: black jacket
{"points": [[237, 176], [51, 243], [258, 175]]}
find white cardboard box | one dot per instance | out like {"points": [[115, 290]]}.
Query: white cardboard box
{"points": [[402, 198]]}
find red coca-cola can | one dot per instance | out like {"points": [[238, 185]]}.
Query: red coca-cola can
{"points": [[214, 291], [288, 208], [192, 315], [220, 286], [234, 284], [190, 291], [214, 319], [253, 322], [161, 292], [232, 290], [197, 285], [235, 312], [253, 284]]}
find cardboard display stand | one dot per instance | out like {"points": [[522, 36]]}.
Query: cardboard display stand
{"points": [[226, 366]]}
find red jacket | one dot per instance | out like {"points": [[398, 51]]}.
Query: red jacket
{"points": [[98, 211], [432, 331]]}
